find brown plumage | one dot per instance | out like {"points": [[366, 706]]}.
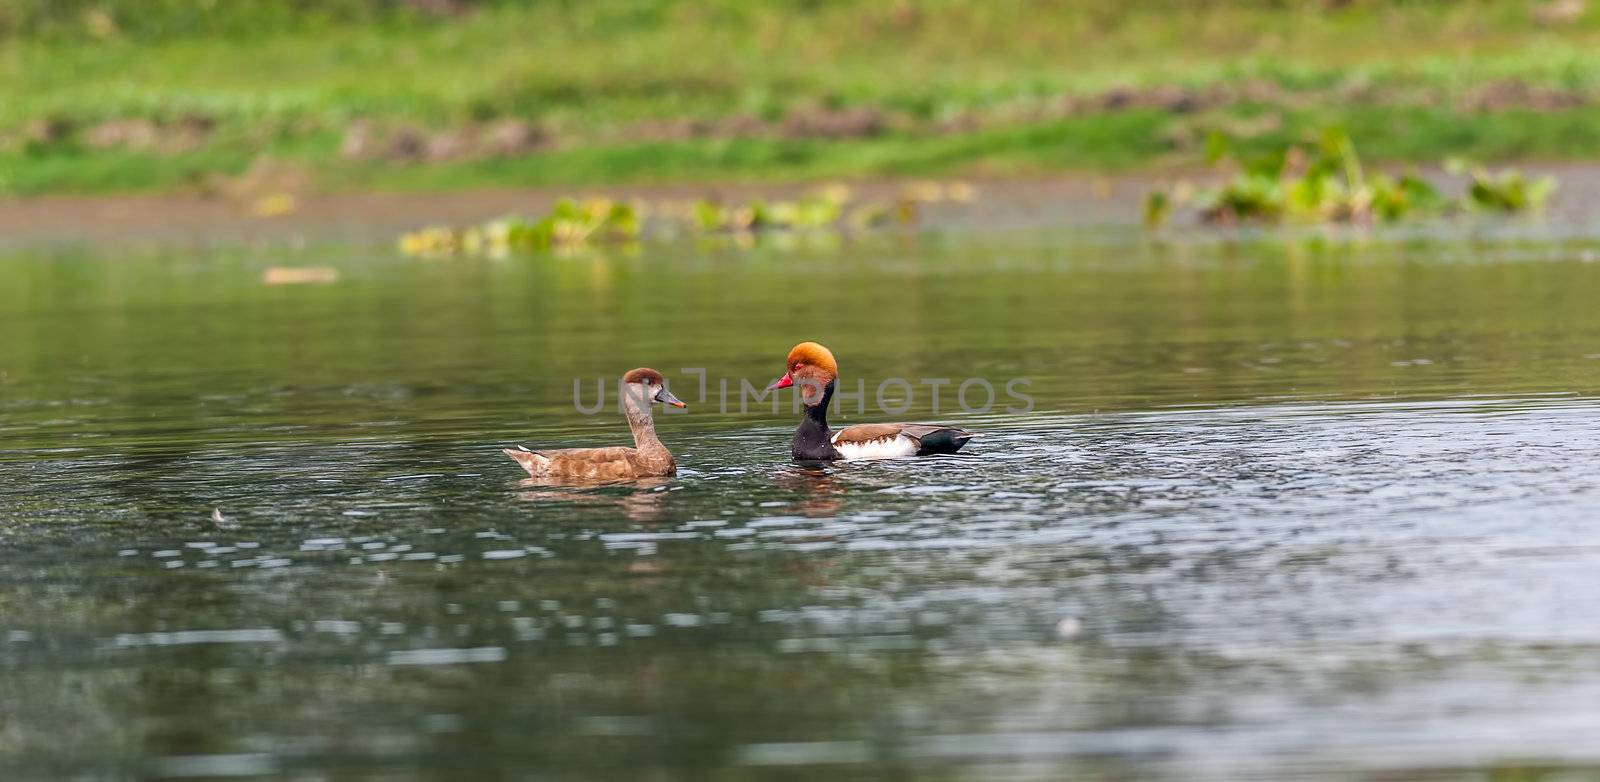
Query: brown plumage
{"points": [[861, 434], [867, 434], [647, 459], [812, 368]]}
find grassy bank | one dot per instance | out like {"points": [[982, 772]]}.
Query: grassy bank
{"points": [[189, 94]]}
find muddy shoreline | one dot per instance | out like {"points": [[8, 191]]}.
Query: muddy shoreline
{"points": [[1065, 200], [366, 216]]}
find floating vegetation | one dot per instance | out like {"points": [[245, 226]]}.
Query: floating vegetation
{"points": [[1327, 184], [299, 275], [1503, 191], [573, 225], [274, 205], [568, 224], [819, 210], [902, 211], [932, 192], [1157, 208], [829, 207]]}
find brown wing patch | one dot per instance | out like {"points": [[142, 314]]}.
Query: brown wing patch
{"points": [[607, 464], [861, 434], [591, 463]]}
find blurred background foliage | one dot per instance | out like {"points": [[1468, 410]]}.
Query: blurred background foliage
{"points": [[164, 20], [160, 94]]}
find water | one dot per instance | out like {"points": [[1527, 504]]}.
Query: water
{"points": [[1281, 507]]}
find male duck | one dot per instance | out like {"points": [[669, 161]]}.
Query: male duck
{"points": [[811, 366], [647, 459]]}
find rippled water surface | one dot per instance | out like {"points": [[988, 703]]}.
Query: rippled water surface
{"points": [[1280, 508]]}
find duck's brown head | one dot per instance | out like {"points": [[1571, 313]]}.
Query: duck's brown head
{"points": [[649, 384], [812, 367]]}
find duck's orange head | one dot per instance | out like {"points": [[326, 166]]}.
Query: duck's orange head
{"points": [[651, 386], [812, 367]]}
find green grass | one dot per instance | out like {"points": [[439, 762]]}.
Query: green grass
{"points": [[286, 85]]}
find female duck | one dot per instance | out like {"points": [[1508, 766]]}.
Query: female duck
{"points": [[812, 368], [647, 459]]}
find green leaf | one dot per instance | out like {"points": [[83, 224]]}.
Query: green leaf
{"points": [[1157, 206], [1217, 148]]}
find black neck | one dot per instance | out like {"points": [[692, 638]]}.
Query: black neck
{"points": [[811, 439]]}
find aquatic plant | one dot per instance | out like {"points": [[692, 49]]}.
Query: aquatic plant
{"points": [[906, 207], [571, 225], [817, 210], [901, 211], [299, 275], [567, 224], [1394, 199], [1328, 184], [830, 206], [274, 205], [1506, 190], [1157, 208]]}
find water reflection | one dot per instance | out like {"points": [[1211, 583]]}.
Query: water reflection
{"points": [[639, 500], [820, 493]]}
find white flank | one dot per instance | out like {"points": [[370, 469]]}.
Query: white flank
{"points": [[885, 448]]}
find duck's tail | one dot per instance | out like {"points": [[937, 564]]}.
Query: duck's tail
{"points": [[535, 463], [944, 439]]}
